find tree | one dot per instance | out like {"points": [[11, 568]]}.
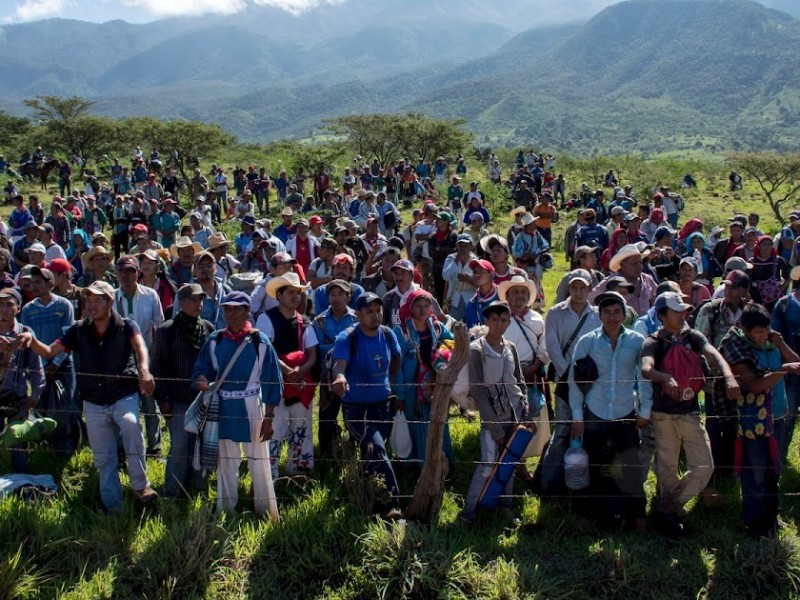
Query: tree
{"points": [[53, 108], [386, 137], [429, 138], [378, 136], [13, 130], [778, 176]]}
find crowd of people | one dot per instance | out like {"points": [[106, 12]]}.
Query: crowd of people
{"points": [[134, 306]]}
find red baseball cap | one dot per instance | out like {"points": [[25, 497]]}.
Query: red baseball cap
{"points": [[316, 219], [481, 263], [59, 265]]}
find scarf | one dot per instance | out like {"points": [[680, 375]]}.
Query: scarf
{"points": [[190, 330]]}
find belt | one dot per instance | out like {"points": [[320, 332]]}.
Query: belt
{"points": [[239, 394]]}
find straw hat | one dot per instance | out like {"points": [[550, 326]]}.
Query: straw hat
{"points": [[290, 278], [517, 281], [88, 257], [184, 242], [215, 240]]}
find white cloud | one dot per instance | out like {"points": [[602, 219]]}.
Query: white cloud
{"points": [[31, 10], [171, 8], [296, 6]]}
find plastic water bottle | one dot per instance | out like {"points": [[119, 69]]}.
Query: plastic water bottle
{"points": [[576, 466]]}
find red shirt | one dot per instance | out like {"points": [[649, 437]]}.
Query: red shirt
{"points": [[303, 252]]}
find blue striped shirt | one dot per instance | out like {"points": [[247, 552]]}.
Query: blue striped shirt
{"points": [[49, 322]]}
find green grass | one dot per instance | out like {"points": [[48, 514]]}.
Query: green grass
{"points": [[325, 548]]}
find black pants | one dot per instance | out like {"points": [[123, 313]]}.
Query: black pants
{"points": [[329, 430], [120, 244], [615, 472]]}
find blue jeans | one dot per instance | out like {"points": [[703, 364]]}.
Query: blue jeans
{"points": [[100, 421], [490, 453], [370, 425], [672, 219], [179, 474], [759, 486], [152, 423]]}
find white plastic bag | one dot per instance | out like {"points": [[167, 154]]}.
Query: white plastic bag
{"points": [[400, 438]]}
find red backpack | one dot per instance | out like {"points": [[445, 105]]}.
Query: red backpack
{"points": [[683, 361]]}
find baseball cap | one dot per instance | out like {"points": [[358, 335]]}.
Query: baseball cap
{"points": [[609, 297], [282, 258], [738, 279], [190, 290], [43, 273], [128, 261], [99, 288], [481, 263], [37, 247], [404, 264], [496, 307], [315, 220], [617, 210], [236, 299], [59, 265], [464, 238], [617, 282], [662, 232], [579, 275], [366, 299], [47, 228], [671, 300], [589, 213], [632, 217], [688, 260], [737, 263], [344, 257], [582, 251], [12, 293], [341, 284]]}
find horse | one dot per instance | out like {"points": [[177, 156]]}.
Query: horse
{"points": [[46, 168]]}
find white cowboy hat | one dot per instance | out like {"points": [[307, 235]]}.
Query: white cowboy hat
{"points": [[517, 281], [290, 279], [184, 242], [485, 240], [623, 253]]}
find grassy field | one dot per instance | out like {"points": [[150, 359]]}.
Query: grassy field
{"points": [[324, 548]]}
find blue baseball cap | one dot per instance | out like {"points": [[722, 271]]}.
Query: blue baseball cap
{"points": [[366, 299], [236, 299]]}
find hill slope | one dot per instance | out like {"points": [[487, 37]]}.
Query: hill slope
{"points": [[642, 75]]}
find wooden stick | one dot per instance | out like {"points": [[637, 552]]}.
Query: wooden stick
{"points": [[428, 493]]}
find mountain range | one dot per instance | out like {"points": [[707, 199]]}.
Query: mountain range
{"points": [[640, 76]]}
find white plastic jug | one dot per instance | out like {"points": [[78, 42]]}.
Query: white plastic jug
{"points": [[576, 466]]}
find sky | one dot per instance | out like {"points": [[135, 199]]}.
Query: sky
{"points": [[142, 11]]}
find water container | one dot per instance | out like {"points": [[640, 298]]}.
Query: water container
{"points": [[576, 466]]}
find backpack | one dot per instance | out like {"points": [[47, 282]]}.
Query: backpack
{"points": [[352, 209], [692, 317], [716, 310], [686, 365]]}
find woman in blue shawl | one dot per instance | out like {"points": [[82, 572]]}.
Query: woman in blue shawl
{"points": [[79, 243], [708, 266]]}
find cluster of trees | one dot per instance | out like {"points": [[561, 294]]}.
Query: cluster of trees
{"points": [[65, 126], [390, 137]]}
